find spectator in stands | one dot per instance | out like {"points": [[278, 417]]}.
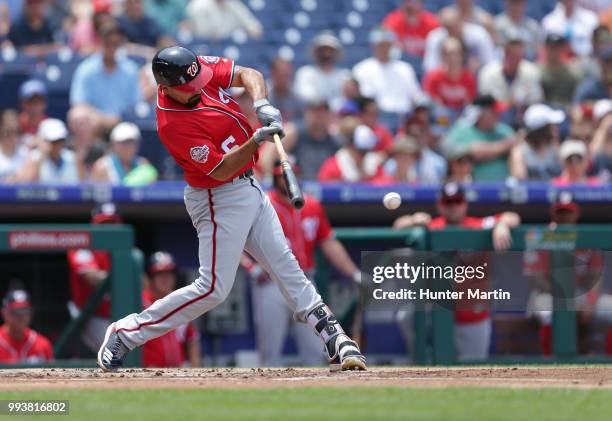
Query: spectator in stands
{"points": [[122, 165], [169, 15], [32, 32], [107, 81], [402, 163], [512, 80], [472, 317], [83, 139], [513, 21], [411, 23], [536, 157], [392, 83], [12, 153], [469, 12], [489, 140], [477, 41], [601, 144], [574, 159], [323, 80], [312, 143], [460, 164], [576, 22], [412, 161], [594, 88], [88, 269], [84, 35], [139, 28], [368, 113], [452, 85], [52, 162], [591, 65], [558, 77], [18, 343], [181, 346], [420, 124], [590, 303], [356, 160], [281, 91], [33, 102], [218, 19]]}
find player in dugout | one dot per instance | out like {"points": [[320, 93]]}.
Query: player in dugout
{"points": [[591, 304], [18, 343], [87, 270], [473, 325], [179, 347], [305, 229]]}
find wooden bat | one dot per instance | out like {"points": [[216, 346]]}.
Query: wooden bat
{"points": [[293, 187]]}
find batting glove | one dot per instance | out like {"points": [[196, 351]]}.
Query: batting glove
{"points": [[265, 133], [267, 114]]}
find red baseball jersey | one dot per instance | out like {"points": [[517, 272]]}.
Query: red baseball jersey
{"points": [[198, 137], [304, 229], [33, 348], [167, 350], [471, 311], [81, 261], [411, 33]]}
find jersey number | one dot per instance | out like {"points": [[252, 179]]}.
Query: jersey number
{"points": [[229, 144]]}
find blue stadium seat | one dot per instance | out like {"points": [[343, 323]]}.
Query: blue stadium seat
{"points": [[152, 149], [15, 68]]}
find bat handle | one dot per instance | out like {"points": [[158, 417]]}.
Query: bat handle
{"points": [[282, 155]]}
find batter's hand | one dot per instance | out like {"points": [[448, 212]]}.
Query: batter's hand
{"points": [[265, 133], [267, 114]]}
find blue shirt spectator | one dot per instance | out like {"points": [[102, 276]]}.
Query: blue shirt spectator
{"points": [[107, 81], [594, 88], [31, 27], [138, 28]]}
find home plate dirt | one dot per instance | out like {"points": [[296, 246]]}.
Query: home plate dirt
{"points": [[516, 377]]}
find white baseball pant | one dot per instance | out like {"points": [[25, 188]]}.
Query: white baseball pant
{"points": [[230, 218], [272, 324], [540, 305]]}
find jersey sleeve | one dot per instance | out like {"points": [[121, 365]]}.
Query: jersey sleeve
{"points": [[82, 260], [222, 68], [192, 145]]}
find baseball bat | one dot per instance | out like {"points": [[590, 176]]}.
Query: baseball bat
{"points": [[293, 187]]}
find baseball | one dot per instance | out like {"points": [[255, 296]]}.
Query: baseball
{"points": [[392, 200]]}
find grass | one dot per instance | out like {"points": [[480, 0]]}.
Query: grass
{"points": [[334, 404]]}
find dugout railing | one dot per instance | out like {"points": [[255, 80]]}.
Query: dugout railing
{"points": [[123, 283], [434, 341]]}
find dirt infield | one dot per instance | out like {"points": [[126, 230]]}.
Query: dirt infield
{"points": [[514, 377]]}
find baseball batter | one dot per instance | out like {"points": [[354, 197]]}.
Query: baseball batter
{"points": [[207, 134], [305, 230]]}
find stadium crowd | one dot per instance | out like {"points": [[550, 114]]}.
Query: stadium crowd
{"points": [[460, 94]]}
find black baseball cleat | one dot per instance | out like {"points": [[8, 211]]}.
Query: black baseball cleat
{"points": [[345, 352], [112, 351]]}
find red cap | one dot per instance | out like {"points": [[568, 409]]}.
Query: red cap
{"points": [[161, 261]]}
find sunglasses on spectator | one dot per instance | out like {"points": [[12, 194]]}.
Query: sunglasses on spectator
{"points": [[574, 159]]}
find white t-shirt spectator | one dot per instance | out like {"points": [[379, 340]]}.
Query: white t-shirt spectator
{"points": [[313, 85], [578, 28], [217, 20], [524, 89], [9, 165], [476, 38], [65, 173], [393, 85]]}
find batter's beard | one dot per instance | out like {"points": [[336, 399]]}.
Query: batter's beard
{"points": [[193, 102]]}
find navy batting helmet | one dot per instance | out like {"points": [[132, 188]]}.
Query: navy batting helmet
{"points": [[106, 213], [161, 261], [179, 67]]}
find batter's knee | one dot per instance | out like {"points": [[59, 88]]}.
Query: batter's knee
{"points": [[216, 292]]}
